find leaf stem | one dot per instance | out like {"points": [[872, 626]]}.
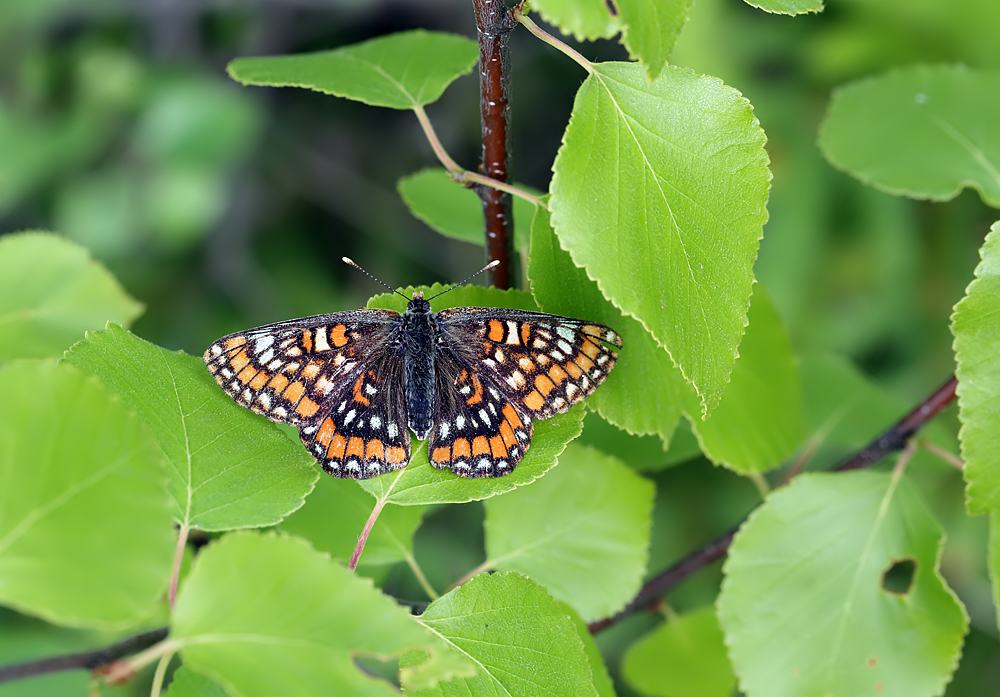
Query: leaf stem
{"points": [[763, 488], [896, 437], [363, 537], [175, 571], [941, 453], [553, 41], [466, 175], [442, 154], [160, 674], [421, 579], [126, 668]]}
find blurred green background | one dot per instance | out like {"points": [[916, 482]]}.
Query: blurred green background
{"points": [[221, 207]]}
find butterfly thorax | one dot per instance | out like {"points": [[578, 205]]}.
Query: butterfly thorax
{"points": [[419, 336]]}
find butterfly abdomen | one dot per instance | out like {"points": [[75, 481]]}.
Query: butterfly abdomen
{"points": [[418, 342]]}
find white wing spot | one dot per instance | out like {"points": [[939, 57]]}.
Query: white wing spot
{"points": [[262, 344], [443, 429], [369, 389], [512, 333], [484, 416], [350, 416], [376, 423], [538, 344], [460, 423], [565, 332], [391, 429], [564, 346]]}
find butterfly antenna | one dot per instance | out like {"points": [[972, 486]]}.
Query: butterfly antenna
{"points": [[350, 262], [488, 266]]}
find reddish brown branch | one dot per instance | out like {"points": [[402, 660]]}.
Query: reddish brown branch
{"points": [[495, 23], [889, 441], [91, 660]]}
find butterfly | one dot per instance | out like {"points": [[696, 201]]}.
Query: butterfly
{"points": [[470, 380]]}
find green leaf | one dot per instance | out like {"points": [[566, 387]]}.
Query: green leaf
{"points": [[399, 71], [686, 656], [520, 640], [229, 468], [187, 683], [584, 19], [641, 453], [803, 605], [85, 528], [925, 132], [419, 482], [582, 532], [651, 29], [51, 292], [265, 614], [335, 514], [602, 680], [759, 422], [455, 211], [787, 7], [659, 192], [977, 352], [644, 393]]}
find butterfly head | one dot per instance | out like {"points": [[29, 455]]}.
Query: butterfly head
{"points": [[418, 305]]}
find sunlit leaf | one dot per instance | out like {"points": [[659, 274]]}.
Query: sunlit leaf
{"points": [[582, 532], [51, 292], [977, 352], [787, 7], [520, 640], [228, 467], [804, 604], [336, 512], [584, 19], [686, 656], [85, 528], [650, 29], [659, 191], [925, 132], [759, 422], [457, 212], [419, 483], [265, 614], [398, 71], [644, 393]]}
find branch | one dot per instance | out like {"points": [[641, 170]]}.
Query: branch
{"points": [[495, 24], [91, 660], [889, 441]]}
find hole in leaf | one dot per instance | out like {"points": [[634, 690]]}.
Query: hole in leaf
{"points": [[898, 578]]}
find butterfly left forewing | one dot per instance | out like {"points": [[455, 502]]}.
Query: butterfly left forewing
{"points": [[545, 363], [287, 371]]}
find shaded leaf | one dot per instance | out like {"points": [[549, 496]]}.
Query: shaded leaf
{"points": [[51, 292], [644, 393], [335, 514], [85, 527], [686, 656], [651, 29], [993, 561], [584, 19], [659, 191], [641, 453], [759, 422], [399, 71], [228, 467], [838, 534], [265, 614], [582, 532], [925, 132], [187, 683], [520, 640], [457, 212], [977, 352], [602, 680]]}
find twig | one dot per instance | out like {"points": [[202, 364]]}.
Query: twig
{"points": [[494, 24], [91, 660], [889, 441]]}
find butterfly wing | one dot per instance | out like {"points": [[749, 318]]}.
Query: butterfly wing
{"points": [[289, 371], [543, 363], [338, 377], [478, 431]]}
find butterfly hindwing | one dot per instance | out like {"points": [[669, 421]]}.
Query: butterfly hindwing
{"points": [[364, 433], [478, 431], [288, 371], [544, 363]]}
